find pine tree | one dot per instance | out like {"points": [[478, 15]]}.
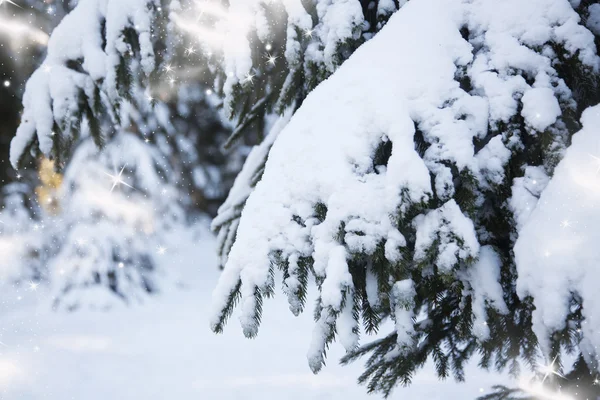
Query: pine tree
{"points": [[403, 183], [118, 211], [136, 156]]}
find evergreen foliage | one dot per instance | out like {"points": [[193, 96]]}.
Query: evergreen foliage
{"points": [[125, 139], [438, 154], [23, 53], [439, 308], [285, 67]]}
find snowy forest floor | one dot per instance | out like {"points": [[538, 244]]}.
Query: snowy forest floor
{"points": [[164, 349]]}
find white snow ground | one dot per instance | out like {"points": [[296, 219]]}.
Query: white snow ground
{"points": [[164, 349]]}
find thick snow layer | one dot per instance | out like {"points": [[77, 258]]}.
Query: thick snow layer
{"points": [[227, 219], [324, 156], [593, 21], [164, 350], [557, 251]]}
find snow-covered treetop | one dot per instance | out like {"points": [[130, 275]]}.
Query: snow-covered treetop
{"points": [[92, 57], [391, 183], [119, 208]]}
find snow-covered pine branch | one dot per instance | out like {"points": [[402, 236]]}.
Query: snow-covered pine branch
{"points": [[269, 56], [403, 181], [556, 253], [88, 71]]}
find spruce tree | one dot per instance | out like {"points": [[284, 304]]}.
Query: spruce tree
{"points": [[133, 146], [403, 183]]}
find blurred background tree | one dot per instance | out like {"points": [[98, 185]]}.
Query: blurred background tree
{"points": [[99, 217]]}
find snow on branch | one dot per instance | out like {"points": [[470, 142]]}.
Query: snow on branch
{"points": [[557, 251], [87, 71], [397, 161]]}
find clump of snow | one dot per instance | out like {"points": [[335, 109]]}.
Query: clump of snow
{"points": [[347, 325], [339, 21], [491, 161], [526, 191], [403, 294], [540, 108], [483, 279], [337, 277], [386, 7], [593, 20], [557, 250], [451, 231]]}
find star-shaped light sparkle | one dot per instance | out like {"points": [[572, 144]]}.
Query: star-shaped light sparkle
{"points": [[161, 250], [549, 369], [271, 59], [249, 78], [118, 180]]}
